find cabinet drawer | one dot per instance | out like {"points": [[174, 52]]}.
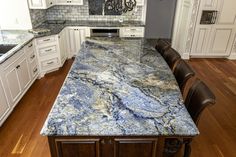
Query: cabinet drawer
{"points": [[133, 29], [32, 56], [133, 32], [45, 40], [49, 64], [47, 50], [29, 47], [34, 71]]}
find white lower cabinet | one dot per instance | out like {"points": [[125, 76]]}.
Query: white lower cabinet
{"points": [[76, 36], [4, 105], [48, 54], [132, 32], [16, 76], [63, 46]]}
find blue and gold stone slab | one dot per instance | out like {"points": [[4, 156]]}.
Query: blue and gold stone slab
{"points": [[119, 87]]}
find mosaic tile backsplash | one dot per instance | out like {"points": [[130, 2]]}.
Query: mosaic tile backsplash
{"points": [[62, 12]]}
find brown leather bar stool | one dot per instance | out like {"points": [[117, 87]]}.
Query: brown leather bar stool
{"points": [[162, 45], [171, 57], [198, 98], [183, 72]]}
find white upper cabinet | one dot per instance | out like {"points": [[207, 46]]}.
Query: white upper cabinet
{"points": [[140, 2], [40, 4], [44, 4]]}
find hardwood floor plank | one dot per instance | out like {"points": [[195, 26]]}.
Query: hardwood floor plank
{"points": [[20, 133], [217, 124]]}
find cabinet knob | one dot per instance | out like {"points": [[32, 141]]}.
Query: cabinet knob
{"points": [[18, 66], [30, 45], [32, 57], [35, 70]]}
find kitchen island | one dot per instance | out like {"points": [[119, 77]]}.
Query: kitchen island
{"points": [[119, 99]]}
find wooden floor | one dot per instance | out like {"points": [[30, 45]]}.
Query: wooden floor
{"points": [[19, 136]]}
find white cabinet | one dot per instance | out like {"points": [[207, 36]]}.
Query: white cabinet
{"points": [[76, 38], [32, 59], [140, 2], [69, 2], [44, 4], [40, 4], [51, 52], [132, 32], [4, 106], [63, 46], [17, 77]]}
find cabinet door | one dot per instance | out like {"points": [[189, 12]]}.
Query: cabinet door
{"points": [[140, 2], [78, 147], [49, 3], [135, 147], [13, 83], [62, 43], [4, 106], [23, 74], [36, 3], [75, 41]]}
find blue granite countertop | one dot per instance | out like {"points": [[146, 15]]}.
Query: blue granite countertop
{"points": [[119, 87], [18, 37], [57, 28]]}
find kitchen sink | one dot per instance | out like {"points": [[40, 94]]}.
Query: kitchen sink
{"points": [[5, 48]]}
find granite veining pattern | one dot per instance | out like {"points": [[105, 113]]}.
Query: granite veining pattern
{"points": [[119, 87], [18, 37]]}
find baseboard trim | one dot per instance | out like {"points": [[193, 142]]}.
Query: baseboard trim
{"points": [[232, 57], [185, 56]]}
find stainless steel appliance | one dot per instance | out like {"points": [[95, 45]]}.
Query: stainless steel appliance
{"points": [[104, 32]]}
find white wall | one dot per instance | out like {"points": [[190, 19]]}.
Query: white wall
{"points": [[14, 14]]}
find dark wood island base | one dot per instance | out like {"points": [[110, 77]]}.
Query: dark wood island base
{"points": [[74, 146]]}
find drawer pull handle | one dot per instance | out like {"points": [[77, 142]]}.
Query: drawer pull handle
{"points": [[30, 45], [32, 57], [18, 66], [46, 40], [132, 35], [50, 62], [48, 50], [35, 70]]}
